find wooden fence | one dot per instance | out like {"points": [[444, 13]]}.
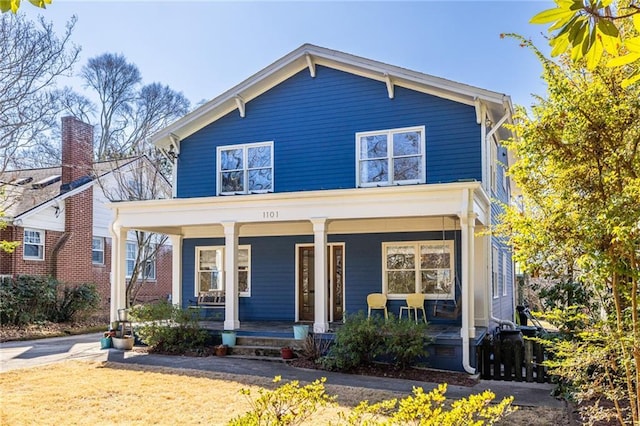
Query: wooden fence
{"points": [[512, 360]]}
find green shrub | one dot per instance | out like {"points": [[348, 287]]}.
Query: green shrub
{"points": [[358, 341], [82, 298], [288, 404], [158, 311], [361, 340], [179, 334], [27, 299], [404, 341]]}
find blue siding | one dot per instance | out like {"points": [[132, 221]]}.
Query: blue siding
{"points": [[313, 122], [273, 271]]}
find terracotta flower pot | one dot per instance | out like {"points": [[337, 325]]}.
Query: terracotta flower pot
{"points": [[221, 350], [287, 353]]}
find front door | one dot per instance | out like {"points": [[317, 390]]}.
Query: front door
{"points": [[306, 282]]}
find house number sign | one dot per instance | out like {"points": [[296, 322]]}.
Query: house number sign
{"points": [[270, 214]]}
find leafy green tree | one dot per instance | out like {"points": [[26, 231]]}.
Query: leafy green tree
{"points": [[578, 167], [14, 5], [589, 28]]}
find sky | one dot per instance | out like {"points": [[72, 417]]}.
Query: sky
{"points": [[202, 48]]}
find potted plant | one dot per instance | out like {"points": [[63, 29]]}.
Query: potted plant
{"points": [[221, 350], [286, 352]]}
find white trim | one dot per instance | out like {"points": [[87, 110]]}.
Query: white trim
{"points": [[220, 263], [390, 87], [245, 167], [331, 295], [504, 274], [449, 244], [42, 235], [95, 237], [311, 65], [296, 61], [390, 157], [240, 104]]}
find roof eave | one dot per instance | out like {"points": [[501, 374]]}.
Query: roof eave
{"points": [[307, 56]]}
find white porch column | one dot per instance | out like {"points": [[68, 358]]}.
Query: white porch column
{"points": [[321, 320], [118, 270], [176, 269], [467, 222], [231, 321]]}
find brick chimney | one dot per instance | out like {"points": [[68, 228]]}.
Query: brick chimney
{"points": [[77, 151]]}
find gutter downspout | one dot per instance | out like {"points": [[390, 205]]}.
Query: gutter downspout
{"points": [[467, 222]]}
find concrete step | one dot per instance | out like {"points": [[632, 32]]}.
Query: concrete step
{"points": [[252, 351], [278, 342]]}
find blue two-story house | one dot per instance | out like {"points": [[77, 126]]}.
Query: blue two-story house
{"points": [[326, 177]]}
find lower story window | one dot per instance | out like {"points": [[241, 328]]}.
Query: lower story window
{"points": [[146, 260], [97, 250], [210, 269], [33, 244], [419, 267]]}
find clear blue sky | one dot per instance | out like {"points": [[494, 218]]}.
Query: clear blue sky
{"points": [[203, 48]]}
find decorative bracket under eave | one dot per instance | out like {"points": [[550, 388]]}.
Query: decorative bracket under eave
{"points": [[311, 65], [240, 104], [390, 87]]}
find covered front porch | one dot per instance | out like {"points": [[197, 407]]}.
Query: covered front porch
{"points": [[280, 228]]}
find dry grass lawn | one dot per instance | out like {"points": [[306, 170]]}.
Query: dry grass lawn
{"points": [[75, 392]]}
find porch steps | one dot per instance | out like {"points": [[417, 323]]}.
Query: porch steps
{"points": [[262, 347]]}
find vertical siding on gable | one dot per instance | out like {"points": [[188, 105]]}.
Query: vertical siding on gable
{"points": [[313, 122]]}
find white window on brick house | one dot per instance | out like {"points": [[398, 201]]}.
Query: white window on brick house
{"points": [[148, 271], [97, 250], [494, 271], [33, 244], [391, 157]]}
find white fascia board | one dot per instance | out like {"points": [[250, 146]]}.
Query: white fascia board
{"points": [[299, 59], [360, 203]]}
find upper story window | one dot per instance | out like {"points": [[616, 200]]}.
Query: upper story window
{"points": [[33, 244], [97, 250], [391, 157], [419, 267], [494, 271], [245, 169]]}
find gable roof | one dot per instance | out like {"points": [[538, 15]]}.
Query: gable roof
{"points": [[308, 56], [27, 191]]}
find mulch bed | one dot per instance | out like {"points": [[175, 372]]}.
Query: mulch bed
{"points": [[416, 374]]}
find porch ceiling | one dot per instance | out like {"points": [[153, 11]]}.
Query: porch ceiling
{"points": [[347, 210]]}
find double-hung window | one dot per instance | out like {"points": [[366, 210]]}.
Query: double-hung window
{"points": [[245, 169], [33, 244], [147, 263], [419, 267], [210, 269], [494, 271], [391, 157], [97, 250]]}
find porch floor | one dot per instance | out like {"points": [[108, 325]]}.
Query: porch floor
{"points": [[438, 332]]}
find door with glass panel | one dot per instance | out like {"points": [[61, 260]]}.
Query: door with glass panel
{"points": [[307, 285]]}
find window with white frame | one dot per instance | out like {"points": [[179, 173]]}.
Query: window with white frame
{"points": [[504, 274], [148, 270], [97, 250], [494, 271], [391, 157], [33, 244], [210, 269], [493, 171], [245, 169], [419, 267]]}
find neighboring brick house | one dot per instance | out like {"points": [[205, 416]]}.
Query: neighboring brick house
{"points": [[59, 217]]}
